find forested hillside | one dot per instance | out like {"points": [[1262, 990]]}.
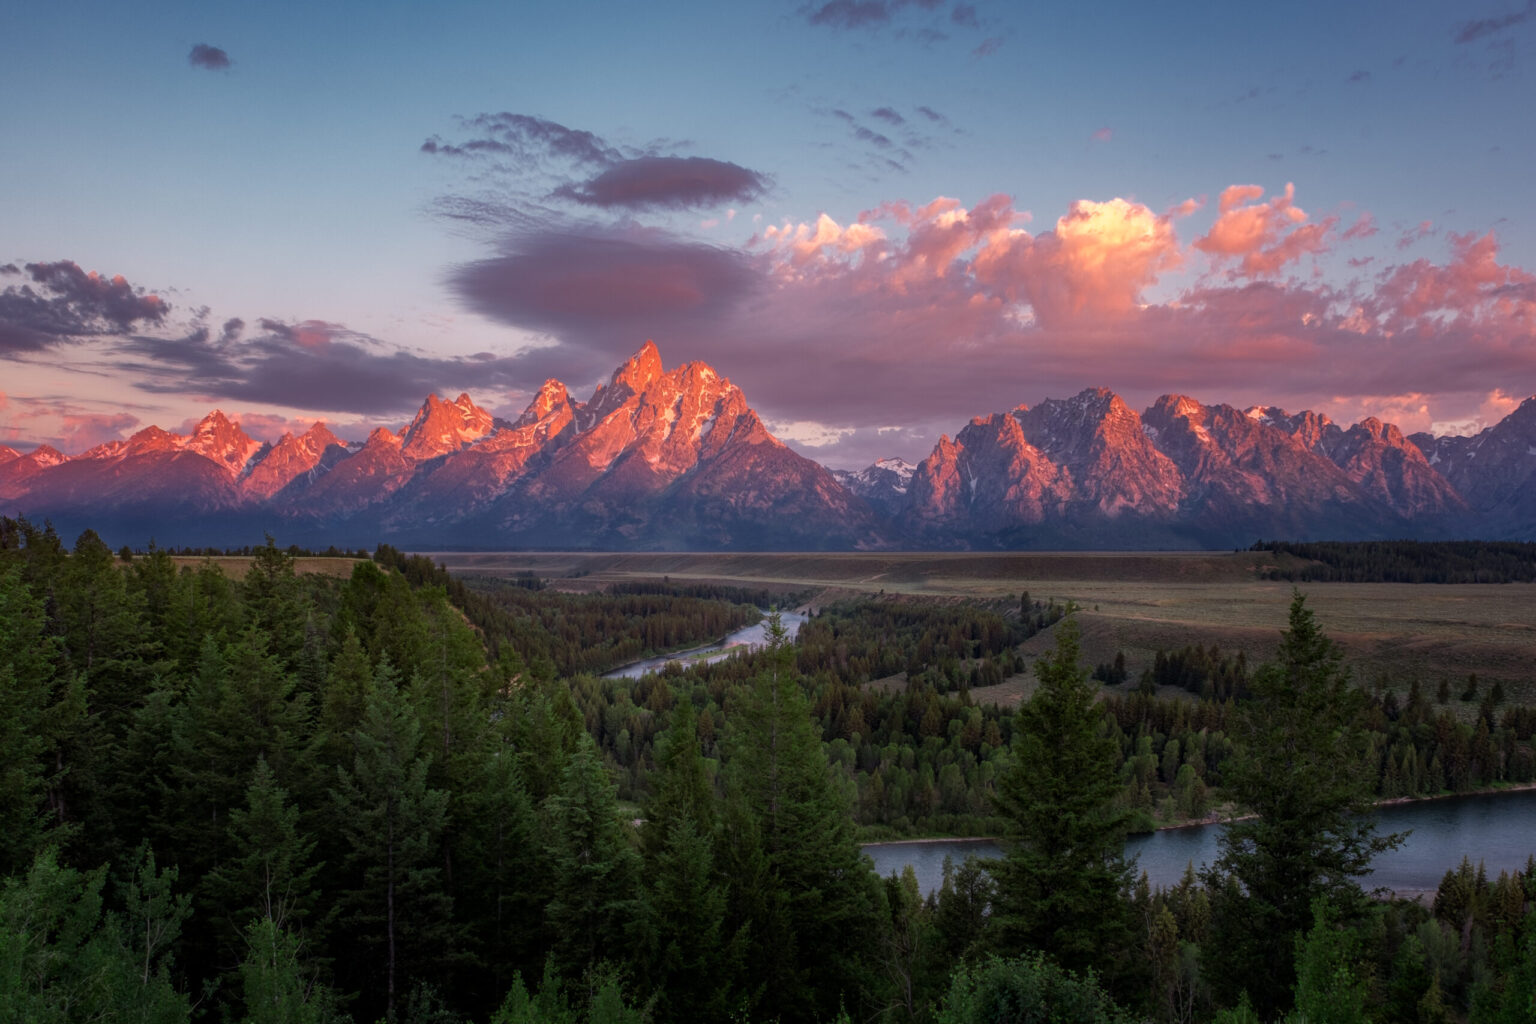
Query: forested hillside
{"points": [[395, 797]]}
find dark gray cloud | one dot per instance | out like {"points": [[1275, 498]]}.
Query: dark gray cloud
{"points": [[933, 115], [887, 115], [208, 57], [64, 302], [667, 182], [312, 365], [1481, 28], [577, 166], [862, 14], [602, 292], [965, 15], [526, 139], [850, 14], [1359, 77], [988, 46]]}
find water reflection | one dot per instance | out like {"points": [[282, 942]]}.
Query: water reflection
{"points": [[1498, 829]]}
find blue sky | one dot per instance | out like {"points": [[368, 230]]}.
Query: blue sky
{"points": [[281, 180]]}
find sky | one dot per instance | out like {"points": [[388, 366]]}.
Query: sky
{"points": [[880, 218]]}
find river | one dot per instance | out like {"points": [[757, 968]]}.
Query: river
{"points": [[1498, 829], [751, 636]]}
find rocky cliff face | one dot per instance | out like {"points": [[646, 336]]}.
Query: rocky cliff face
{"points": [[679, 459], [1494, 470]]}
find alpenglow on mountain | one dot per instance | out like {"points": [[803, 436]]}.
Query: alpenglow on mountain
{"points": [[659, 459]]}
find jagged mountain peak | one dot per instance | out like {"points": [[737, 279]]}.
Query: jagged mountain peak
{"points": [[321, 435], [221, 440], [1179, 407], [45, 455], [383, 437], [551, 395], [441, 427], [640, 369]]}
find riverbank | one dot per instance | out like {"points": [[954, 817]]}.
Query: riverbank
{"points": [[1495, 830], [1216, 818]]}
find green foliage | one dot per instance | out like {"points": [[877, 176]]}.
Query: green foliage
{"points": [[393, 822], [63, 960], [597, 871], [1061, 885], [1301, 771], [1408, 561], [1329, 989], [1026, 990], [276, 986], [804, 889]]}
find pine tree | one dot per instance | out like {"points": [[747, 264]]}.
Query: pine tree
{"points": [[596, 870], [270, 875], [697, 959], [1060, 886], [807, 892], [1302, 770], [26, 693], [393, 822]]}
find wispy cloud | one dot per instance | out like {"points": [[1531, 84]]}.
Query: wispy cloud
{"points": [[1482, 28]]}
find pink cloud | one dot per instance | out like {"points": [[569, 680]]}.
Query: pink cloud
{"points": [[1262, 237], [1414, 235], [80, 431], [1102, 135], [1093, 266], [1363, 227], [1473, 288]]}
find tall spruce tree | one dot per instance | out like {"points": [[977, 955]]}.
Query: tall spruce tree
{"points": [[1061, 885], [808, 893], [394, 906], [1301, 770], [696, 960], [596, 869]]}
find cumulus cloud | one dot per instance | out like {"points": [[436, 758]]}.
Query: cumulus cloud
{"points": [[946, 310], [1262, 236], [1473, 289], [63, 302], [210, 58]]}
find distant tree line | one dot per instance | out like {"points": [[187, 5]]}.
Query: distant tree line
{"points": [[1405, 561]]}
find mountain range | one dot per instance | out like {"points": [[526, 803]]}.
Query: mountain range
{"points": [[677, 459]]}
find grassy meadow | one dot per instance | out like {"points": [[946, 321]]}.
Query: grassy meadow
{"points": [[1136, 602]]}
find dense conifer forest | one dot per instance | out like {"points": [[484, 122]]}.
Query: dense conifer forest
{"points": [[1406, 561], [401, 797]]}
